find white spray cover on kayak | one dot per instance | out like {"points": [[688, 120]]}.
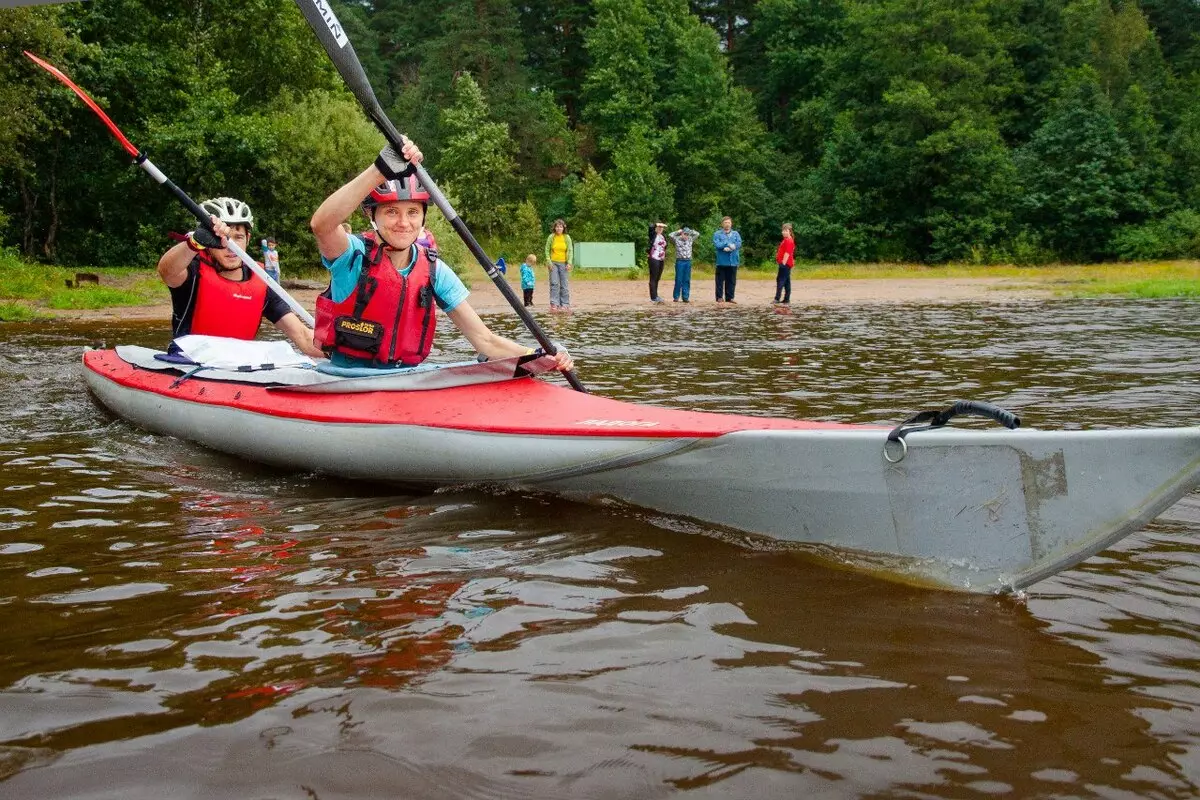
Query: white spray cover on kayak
{"points": [[327, 379], [219, 352]]}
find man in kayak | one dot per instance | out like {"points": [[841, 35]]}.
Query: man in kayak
{"points": [[380, 309], [213, 293]]}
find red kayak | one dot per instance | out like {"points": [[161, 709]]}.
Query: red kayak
{"points": [[980, 510]]}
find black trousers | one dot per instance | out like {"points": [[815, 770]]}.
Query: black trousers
{"points": [[656, 271], [528, 297], [726, 282], [783, 284]]}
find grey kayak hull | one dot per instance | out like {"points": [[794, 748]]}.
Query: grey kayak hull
{"points": [[974, 510]]}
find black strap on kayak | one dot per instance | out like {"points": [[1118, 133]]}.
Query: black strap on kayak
{"points": [[929, 420], [186, 375]]}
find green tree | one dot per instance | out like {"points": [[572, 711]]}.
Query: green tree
{"points": [[35, 113], [318, 142], [558, 61], [1183, 143], [435, 43], [1177, 26], [781, 61], [1106, 38], [1080, 179], [524, 234], [476, 162], [619, 89], [713, 148], [923, 85], [595, 209], [641, 192]]}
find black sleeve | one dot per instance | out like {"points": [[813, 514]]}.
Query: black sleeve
{"points": [[183, 301], [275, 307]]}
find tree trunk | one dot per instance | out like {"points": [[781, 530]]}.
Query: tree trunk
{"points": [[29, 206], [48, 247]]}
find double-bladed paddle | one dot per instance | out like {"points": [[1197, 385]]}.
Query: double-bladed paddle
{"points": [[196, 211], [333, 38]]}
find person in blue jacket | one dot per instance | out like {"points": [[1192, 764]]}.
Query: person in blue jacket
{"points": [[728, 244], [528, 279]]}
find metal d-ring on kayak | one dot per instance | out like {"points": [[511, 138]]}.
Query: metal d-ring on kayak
{"points": [[929, 420]]}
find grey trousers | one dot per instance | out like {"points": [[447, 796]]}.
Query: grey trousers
{"points": [[560, 289]]}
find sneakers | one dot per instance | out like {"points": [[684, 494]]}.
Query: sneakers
{"points": [[657, 300]]}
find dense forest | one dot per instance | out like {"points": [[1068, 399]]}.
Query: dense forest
{"points": [[989, 131]]}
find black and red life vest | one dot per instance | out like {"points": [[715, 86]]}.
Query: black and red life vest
{"points": [[227, 308], [389, 318]]}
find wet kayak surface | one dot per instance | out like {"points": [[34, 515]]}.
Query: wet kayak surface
{"points": [[182, 623]]}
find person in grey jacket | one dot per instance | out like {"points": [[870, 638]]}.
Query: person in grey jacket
{"points": [[683, 238]]}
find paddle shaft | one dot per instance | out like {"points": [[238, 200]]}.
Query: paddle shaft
{"points": [[205, 219], [202, 216], [333, 38]]}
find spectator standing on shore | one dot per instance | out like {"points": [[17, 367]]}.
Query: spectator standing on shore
{"points": [[560, 253], [657, 256], [683, 238], [785, 259], [528, 278], [728, 244], [271, 257]]}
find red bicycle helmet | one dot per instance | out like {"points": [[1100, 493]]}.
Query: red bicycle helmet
{"points": [[394, 191]]}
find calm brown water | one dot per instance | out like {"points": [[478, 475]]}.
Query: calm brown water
{"points": [[181, 624]]}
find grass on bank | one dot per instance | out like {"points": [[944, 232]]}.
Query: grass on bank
{"points": [[27, 290], [1148, 279], [1151, 279]]}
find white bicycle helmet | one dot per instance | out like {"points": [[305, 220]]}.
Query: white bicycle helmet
{"points": [[230, 211]]}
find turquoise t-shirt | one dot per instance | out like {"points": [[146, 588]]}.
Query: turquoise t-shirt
{"points": [[344, 271]]}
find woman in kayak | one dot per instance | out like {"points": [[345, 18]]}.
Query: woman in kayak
{"points": [[213, 293], [384, 288]]}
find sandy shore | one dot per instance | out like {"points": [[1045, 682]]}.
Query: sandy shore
{"points": [[611, 294], [589, 295]]}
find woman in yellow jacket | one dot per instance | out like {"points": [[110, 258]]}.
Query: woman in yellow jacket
{"points": [[560, 253]]}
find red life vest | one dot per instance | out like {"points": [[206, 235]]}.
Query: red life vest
{"points": [[389, 318], [227, 308]]}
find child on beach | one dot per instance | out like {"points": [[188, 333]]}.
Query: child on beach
{"points": [[785, 259], [271, 257], [528, 279]]}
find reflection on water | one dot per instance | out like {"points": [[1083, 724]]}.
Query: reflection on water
{"points": [[180, 623]]}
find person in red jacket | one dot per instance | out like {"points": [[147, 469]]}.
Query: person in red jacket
{"points": [[213, 293], [785, 259]]}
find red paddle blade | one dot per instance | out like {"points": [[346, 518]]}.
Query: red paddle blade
{"points": [[56, 72]]}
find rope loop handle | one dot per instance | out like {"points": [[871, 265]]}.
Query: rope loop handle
{"points": [[929, 420]]}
